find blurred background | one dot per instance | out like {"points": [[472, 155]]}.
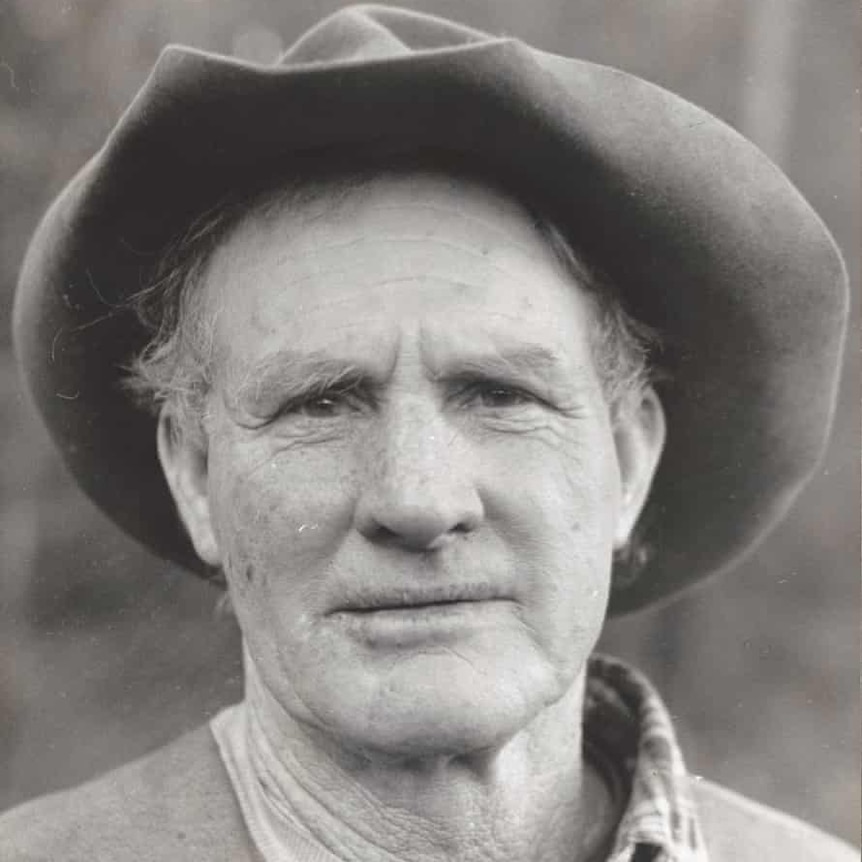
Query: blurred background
{"points": [[106, 652]]}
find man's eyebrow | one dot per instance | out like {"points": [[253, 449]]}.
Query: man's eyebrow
{"points": [[534, 360], [289, 373]]}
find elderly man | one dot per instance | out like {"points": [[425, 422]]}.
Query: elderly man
{"points": [[406, 320]]}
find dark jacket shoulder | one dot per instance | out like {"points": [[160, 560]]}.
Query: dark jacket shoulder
{"points": [[741, 830], [175, 803]]}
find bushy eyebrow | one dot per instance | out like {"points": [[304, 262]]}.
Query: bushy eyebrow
{"points": [[533, 360], [289, 374]]}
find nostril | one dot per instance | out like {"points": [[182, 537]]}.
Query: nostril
{"points": [[418, 531], [406, 536], [383, 534]]}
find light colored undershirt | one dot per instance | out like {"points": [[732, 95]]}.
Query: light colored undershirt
{"points": [[268, 823]]}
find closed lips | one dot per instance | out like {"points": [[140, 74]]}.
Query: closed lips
{"points": [[382, 600]]}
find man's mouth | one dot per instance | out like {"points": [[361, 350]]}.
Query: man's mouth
{"points": [[414, 616], [418, 598]]}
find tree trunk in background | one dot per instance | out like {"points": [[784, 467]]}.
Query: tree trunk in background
{"points": [[768, 101]]}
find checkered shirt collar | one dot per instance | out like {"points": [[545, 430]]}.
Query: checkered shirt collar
{"points": [[629, 735]]}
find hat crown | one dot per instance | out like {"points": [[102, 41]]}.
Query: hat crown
{"points": [[370, 32]]}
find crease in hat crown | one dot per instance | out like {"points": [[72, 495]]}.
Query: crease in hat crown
{"points": [[367, 32]]}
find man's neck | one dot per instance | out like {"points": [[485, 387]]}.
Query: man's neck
{"points": [[531, 798]]}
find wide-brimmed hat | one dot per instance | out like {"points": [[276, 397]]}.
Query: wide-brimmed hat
{"points": [[706, 240]]}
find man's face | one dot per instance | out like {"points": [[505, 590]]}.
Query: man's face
{"points": [[412, 479]]}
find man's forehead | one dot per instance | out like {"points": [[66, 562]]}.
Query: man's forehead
{"points": [[350, 268], [363, 228], [472, 340], [313, 206]]}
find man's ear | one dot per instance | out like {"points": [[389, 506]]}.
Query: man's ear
{"points": [[639, 435], [183, 456]]}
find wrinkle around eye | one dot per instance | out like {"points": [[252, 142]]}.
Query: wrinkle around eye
{"points": [[533, 424], [311, 407], [542, 420], [513, 402], [282, 436], [294, 429]]}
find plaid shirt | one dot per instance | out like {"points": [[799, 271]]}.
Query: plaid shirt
{"points": [[628, 735]]}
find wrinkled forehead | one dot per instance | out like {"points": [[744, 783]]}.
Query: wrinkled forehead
{"points": [[315, 263], [372, 224], [314, 205]]}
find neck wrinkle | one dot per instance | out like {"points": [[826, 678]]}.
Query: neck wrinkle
{"points": [[530, 803]]}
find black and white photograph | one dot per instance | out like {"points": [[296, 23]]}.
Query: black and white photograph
{"points": [[431, 431]]}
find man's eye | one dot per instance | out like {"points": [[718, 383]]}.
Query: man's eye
{"points": [[497, 396], [321, 407], [325, 406]]}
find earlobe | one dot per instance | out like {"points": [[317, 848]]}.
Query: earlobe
{"points": [[184, 462], [639, 436]]}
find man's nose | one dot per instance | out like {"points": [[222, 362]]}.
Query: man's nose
{"points": [[420, 492]]}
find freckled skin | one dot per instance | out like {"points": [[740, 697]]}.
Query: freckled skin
{"points": [[526, 495]]}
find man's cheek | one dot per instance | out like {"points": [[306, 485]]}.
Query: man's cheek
{"points": [[245, 520], [272, 541]]}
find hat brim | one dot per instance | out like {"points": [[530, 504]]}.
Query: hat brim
{"points": [[707, 241]]}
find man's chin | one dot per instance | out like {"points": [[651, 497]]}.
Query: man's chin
{"points": [[444, 705]]}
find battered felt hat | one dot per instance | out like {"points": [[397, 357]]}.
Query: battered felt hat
{"points": [[707, 241]]}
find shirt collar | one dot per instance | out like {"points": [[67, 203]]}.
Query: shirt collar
{"points": [[629, 735]]}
